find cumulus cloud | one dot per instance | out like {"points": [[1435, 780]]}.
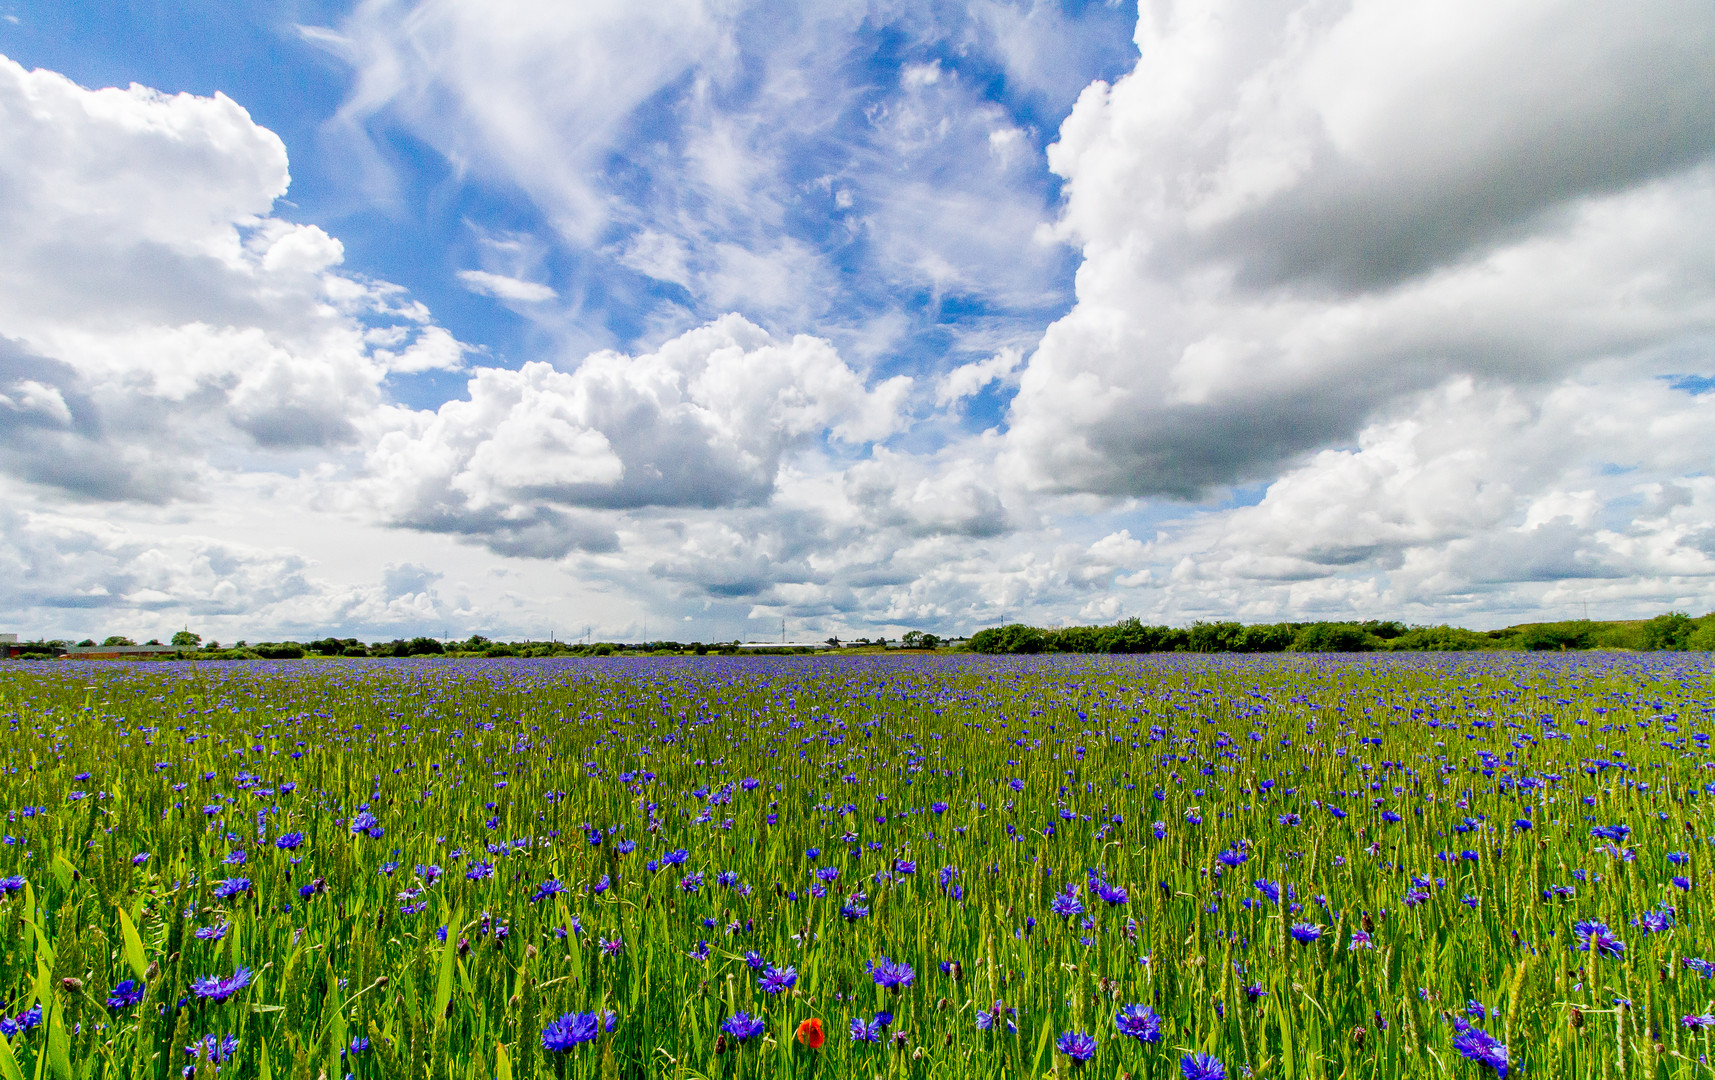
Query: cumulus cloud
{"points": [[1473, 499], [54, 562], [155, 317], [1294, 218], [967, 380], [704, 421]]}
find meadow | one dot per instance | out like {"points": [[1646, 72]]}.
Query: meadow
{"points": [[1296, 866]]}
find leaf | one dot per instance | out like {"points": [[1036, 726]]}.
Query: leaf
{"points": [[267, 1008], [63, 870], [59, 1046], [1041, 1046], [9, 1063], [449, 952], [267, 1069], [502, 1063], [134, 954], [44, 982]]}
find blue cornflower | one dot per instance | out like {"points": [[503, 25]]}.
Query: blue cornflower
{"points": [[551, 887], [1111, 894], [231, 887], [574, 1028], [1479, 1046], [1596, 935], [1202, 1067], [989, 1019], [1066, 904], [290, 841], [891, 975], [1304, 932], [218, 1049], [778, 980], [1139, 1022], [1077, 1046], [215, 988], [741, 1025], [125, 995]]}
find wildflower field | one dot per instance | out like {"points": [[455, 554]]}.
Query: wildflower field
{"points": [[1174, 866]]}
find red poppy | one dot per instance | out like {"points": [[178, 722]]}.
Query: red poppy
{"points": [[810, 1034]]}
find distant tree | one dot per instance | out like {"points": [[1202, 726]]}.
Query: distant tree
{"points": [[1331, 637], [279, 650], [1217, 636], [1703, 638], [1550, 636], [1010, 639], [86, 643], [116, 639], [917, 639], [1386, 631], [1267, 637], [1672, 631], [184, 639]]}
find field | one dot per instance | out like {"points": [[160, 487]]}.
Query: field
{"points": [[1175, 866]]}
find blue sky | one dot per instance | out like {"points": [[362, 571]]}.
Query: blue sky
{"points": [[868, 316], [407, 213]]}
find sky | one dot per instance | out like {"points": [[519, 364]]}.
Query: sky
{"points": [[715, 320]]}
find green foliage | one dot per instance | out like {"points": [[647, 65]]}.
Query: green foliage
{"points": [[1672, 631], [1332, 637], [1440, 639], [184, 639], [417, 646], [1012, 639], [116, 639], [1703, 637], [278, 650]]}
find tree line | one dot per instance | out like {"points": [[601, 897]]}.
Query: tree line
{"points": [[1674, 630]]}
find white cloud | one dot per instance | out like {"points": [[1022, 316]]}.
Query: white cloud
{"points": [[533, 94], [155, 318], [1486, 500], [1293, 219], [671, 141], [967, 380], [706, 420], [502, 287], [1411, 275]]}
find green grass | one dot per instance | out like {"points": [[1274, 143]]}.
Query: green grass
{"points": [[428, 745]]}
